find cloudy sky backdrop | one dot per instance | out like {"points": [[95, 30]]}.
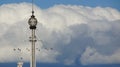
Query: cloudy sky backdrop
{"points": [[79, 35]]}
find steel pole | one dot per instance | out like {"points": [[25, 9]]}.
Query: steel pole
{"points": [[33, 49]]}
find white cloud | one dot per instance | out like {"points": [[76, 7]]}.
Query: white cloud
{"points": [[91, 56], [67, 29]]}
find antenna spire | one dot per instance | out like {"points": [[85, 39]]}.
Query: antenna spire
{"points": [[32, 7]]}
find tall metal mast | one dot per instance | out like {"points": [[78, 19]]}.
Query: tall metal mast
{"points": [[32, 22]]}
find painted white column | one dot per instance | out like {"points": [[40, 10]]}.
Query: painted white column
{"points": [[33, 40]]}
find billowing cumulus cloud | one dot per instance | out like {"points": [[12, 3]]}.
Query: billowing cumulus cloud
{"points": [[76, 33], [91, 56]]}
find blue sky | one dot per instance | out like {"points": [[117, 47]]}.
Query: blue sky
{"points": [[49, 3], [44, 4], [58, 65]]}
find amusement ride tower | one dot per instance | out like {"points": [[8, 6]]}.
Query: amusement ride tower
{"points": [[32, 22]]}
